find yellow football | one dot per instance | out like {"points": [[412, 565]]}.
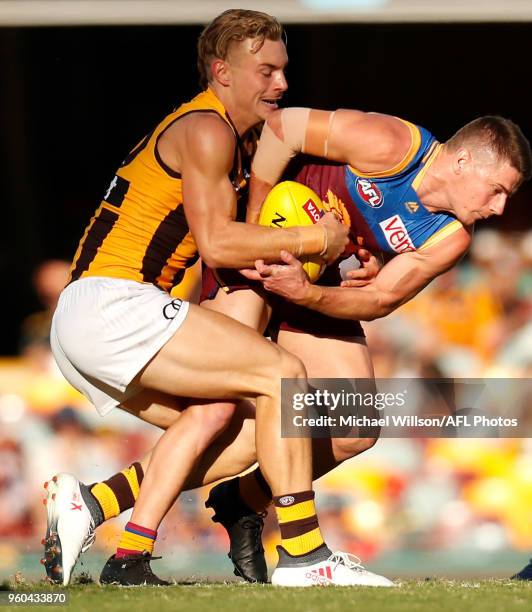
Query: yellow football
{"points": [[289, 204]]}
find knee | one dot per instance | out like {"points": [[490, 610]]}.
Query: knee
{"points": [[345, 448], [290, 365], [280, 365], [212, 419]]}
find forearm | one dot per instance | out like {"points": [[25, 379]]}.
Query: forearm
{"points": [[258, 190], [397, 283], [361, 304], [238, 245]]}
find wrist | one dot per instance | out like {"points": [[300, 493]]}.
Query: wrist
{"points": [[323, 252], [310, 296], [313, 240]]}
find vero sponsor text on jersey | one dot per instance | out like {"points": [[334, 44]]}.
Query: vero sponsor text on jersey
{"points": [[397, 237]]}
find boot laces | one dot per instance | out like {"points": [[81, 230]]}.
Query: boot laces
{"points": [[350, 561], [91, 536]]}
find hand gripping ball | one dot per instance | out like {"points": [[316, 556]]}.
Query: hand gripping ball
{"points": [[292, 204]]}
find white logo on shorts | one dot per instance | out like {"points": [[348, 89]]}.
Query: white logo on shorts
{"points": [[171, 309], [287, 500]]}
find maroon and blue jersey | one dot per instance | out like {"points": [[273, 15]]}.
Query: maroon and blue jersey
{"points": [[383, 209]]}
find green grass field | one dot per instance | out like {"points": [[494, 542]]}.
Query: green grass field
{"points": [[410, 596]]}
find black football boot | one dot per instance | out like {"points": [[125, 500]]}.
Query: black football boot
{"points": [[133, 570], [244, 527], [525, 573]]}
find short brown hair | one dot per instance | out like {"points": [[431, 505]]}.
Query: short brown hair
{"points": [[234, 25], [503, 136]]}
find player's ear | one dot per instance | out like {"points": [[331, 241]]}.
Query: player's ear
{"points": [[462, 158], [221, 72]]}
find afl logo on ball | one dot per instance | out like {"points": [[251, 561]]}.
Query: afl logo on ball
{"points": [[171, 309], [369, 192]]}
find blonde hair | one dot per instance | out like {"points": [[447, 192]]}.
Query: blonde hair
{"points": [[234, 25], [502, 136]]}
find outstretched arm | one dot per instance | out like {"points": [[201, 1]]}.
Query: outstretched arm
{"points": [[398, 281]]}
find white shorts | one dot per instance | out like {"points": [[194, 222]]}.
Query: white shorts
{"points": [[105, 330]]}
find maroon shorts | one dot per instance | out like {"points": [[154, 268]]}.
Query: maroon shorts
{"points": [[285, 315]]}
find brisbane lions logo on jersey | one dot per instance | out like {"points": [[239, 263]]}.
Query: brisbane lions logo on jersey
{"points": [[335, 205], [369, 192]]}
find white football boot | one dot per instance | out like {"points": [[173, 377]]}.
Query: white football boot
{"points": [[70, 527], [340, 569]]}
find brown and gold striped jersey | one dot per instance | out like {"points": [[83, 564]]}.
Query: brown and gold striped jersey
{"points": [[139, 231]]}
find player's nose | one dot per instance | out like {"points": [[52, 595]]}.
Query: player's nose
{"points": [[497, 207], [281, 82]]}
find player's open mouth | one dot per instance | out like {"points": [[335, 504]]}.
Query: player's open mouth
{"points": [[271, 103]]}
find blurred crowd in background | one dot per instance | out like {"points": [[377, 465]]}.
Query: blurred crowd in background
{"points": [[404, 494]]}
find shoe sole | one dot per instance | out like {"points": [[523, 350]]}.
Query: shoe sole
{"points": [[282, 577], [53, 550], [54, 559]]}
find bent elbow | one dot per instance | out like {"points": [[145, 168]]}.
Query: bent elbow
{"points": [[220, 254], [209, 261], [388, 303], [385, 304], [210, 255]]}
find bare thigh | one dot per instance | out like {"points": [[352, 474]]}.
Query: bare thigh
{"points": [[212, 356], [329, 357], [245, 306], [162, 410], [155, 408]]}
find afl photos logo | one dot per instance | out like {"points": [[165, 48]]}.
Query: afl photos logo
{"points": [[171, 309], [369, 192]]}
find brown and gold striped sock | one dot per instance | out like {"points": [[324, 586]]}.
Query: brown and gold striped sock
{"points": [[298, 522], [119, 492]]}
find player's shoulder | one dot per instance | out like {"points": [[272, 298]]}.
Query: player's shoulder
{"points": [[200, 126], [379, 124], [207, 134], [464, 235], [207, 123], [371, 142], [452, 246], [396, 134], [459, 241]]}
